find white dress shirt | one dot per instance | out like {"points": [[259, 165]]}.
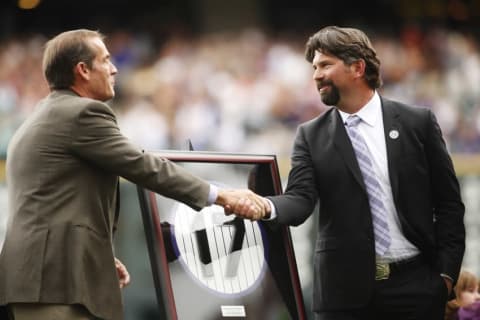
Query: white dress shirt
{"points": [[372, 130]]}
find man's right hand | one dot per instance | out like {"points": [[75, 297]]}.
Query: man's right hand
{"points": [[243, 203]]}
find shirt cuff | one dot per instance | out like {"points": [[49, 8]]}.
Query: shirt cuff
{"points": [[273, 212], [212, 195], [446, 276]]}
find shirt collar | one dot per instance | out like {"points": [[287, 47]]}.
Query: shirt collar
{"points": [[369, 113]]}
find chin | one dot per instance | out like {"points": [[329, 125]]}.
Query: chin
{"points": [[110, 95], [105, 98]]}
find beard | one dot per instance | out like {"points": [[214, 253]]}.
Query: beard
{"points": [[330, 96]]}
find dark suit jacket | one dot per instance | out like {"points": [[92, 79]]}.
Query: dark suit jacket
{"points": [[63, 166], [425, 191]]}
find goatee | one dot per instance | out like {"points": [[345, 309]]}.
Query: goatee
{"points": [[330, 97]]}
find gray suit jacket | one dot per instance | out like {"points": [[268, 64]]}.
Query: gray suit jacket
{"points": [[63, 166], [425, 192]]}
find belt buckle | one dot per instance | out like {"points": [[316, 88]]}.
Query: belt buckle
{"points": [[382, 271]]}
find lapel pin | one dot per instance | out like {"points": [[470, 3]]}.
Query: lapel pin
{"points": [[393, 134]]}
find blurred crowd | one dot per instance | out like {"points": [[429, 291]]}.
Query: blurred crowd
{"points": [[247, 91]]}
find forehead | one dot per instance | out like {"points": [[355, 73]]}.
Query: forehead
{"points": [[98, 47], [321, 57]]}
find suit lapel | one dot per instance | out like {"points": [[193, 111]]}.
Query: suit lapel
{"points": [[391, 128], [344, 146], [393, 134]]}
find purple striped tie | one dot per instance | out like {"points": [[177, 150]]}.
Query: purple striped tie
{"points": [[374, 190]]}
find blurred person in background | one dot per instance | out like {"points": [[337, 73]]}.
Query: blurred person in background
{"points": [[466, 305], [63, 168], [390, 233]]}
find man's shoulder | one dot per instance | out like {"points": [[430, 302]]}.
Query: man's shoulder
{"points": [[68, 101], [322, 119], [404, 108]]}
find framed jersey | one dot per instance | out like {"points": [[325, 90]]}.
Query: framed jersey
{"points": [[207, 265]]}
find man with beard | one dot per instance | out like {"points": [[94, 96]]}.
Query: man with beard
{"points": [[390, 234]]}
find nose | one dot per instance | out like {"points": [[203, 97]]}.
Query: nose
{"points": [[317, 74], [113, 68]]}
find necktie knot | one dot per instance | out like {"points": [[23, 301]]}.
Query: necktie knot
{"points": [[352, 121]]}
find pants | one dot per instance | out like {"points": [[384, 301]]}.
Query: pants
{"points": [[414, 292], [36, 311]]}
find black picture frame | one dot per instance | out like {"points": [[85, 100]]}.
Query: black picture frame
{"points": [[264, 276]]}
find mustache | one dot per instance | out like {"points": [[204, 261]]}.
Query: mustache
{"points": [[324, 83]]}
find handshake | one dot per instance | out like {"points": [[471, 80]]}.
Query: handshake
{"points": [[244, 204]]}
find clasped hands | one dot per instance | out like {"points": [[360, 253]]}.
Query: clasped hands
{"points": [[244, 203]]}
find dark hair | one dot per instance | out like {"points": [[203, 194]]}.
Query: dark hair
{"points": [[349, 45], [63, 52]]}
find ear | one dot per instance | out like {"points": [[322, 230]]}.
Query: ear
{"points": [[358, 68], [82, 71]]}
